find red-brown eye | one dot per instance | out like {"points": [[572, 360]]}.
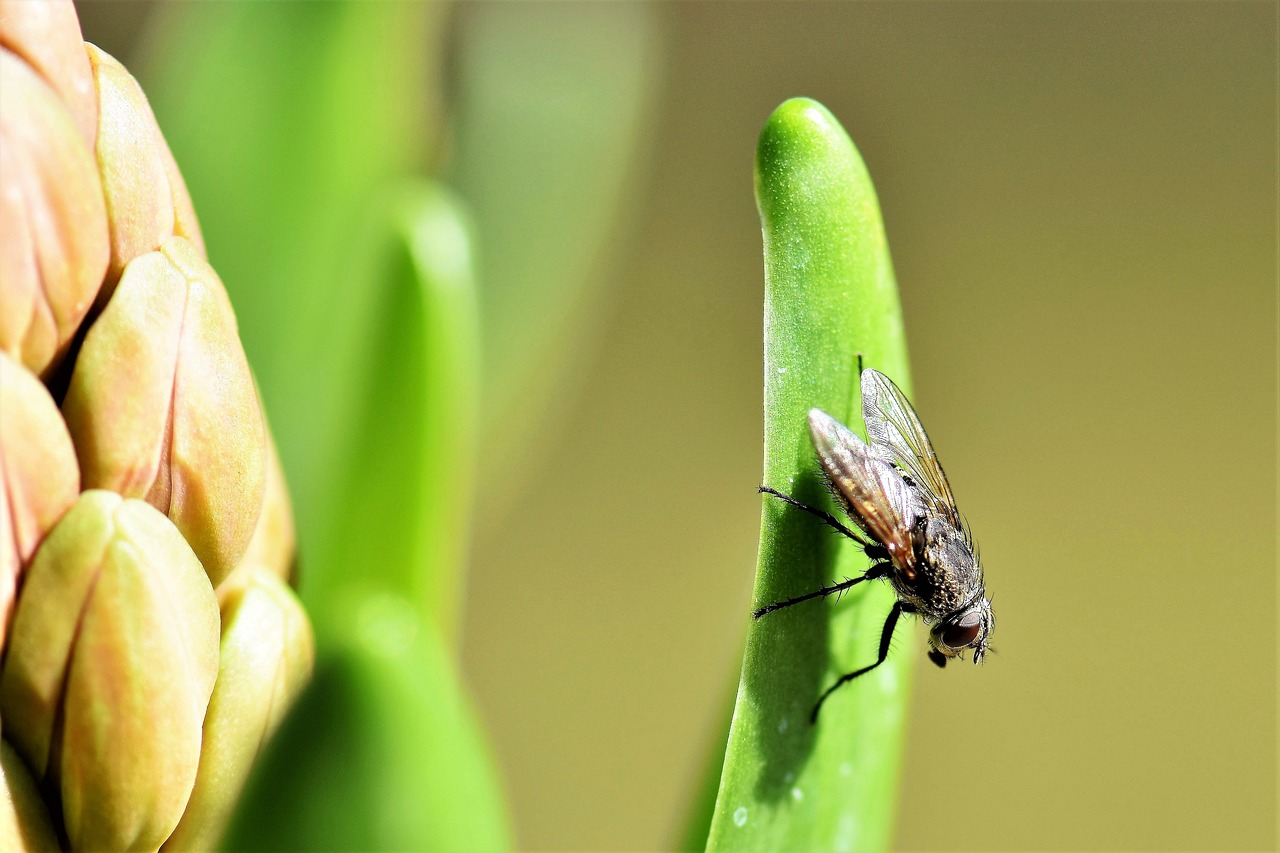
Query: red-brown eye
{"points": [[962, 633]]}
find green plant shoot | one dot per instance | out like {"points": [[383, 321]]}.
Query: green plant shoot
{"points": [[829, 296]]}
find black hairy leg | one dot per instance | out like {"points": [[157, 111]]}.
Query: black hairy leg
{"points": [[874, 573], [899, 607], [874, 550]]}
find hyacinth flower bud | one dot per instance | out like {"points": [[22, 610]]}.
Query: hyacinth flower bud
{"points": [[111, 640], [274, 542], [267, 657], [40, 477], [181, 427], [47, 37], [55, 247], [112, 658], [147, 200], [24, 819]]}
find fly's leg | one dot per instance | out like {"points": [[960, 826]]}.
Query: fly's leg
{"points": [[873, 573], [874, 551], [886, 636]]}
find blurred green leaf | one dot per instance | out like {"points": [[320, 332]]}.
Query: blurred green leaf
{"points": [[553, 112], [381, 753], [696, 824], [829, 294], [286, 131], [402, 514], [296, 126]]}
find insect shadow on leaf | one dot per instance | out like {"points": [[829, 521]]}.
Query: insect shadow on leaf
{"points": [[792, 661]]}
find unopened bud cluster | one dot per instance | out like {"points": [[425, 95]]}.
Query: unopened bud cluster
{"points": [[149, 639]]}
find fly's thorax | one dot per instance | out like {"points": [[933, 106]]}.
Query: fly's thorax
{"points": [[948, 575]]}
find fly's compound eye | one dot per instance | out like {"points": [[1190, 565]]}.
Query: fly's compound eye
{"points": [[963, 632]]}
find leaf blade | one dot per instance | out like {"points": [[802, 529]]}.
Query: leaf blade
{"points": [[830, 295], [403, 511]]}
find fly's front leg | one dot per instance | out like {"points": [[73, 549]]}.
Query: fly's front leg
{"points": [[827, 518], [886, 636]]}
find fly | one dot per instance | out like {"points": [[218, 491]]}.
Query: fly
{"points": [[894, 491]]}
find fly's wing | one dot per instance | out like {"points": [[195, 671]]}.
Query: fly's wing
{"points": [[895, 433], [877, 498]]}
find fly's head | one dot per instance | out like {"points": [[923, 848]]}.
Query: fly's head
{"points": [[967, 628]]}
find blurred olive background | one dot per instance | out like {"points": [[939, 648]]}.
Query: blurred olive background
{"points": [[1081, 203]]}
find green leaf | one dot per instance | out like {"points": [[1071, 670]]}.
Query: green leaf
{"points": [[358, 310], [382, 752], [829, 295], [288, 121], [554, 103], [401, 517], [696, 823]]}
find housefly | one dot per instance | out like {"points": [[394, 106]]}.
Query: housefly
{"points": [[894, 491]]}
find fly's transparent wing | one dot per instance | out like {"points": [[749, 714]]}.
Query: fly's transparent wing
{"points": [[894, 432], [876, 496]]}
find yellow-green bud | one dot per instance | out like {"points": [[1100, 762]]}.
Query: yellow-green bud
{"points": [[112, 658], [147, 200], [267, 656], [52, 219], [274, 542], [39, 478], [111, 640], [24, 820], [162, 405]]}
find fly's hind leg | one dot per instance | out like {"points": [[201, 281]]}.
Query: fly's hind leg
{"points": [[899, 607]]}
